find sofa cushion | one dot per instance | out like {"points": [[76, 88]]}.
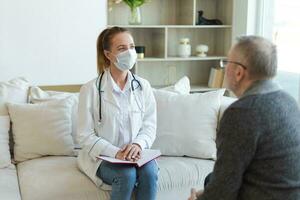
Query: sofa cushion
{"points": [[42, 129], [182, 86], [37, 95], [55, 177], [9, 186], [14, 91], [179, 172], [65, 181], [186, 124]]}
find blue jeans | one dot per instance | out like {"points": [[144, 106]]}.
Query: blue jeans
{"points": [[125, 178]]}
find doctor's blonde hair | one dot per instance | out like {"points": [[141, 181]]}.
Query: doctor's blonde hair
{"points": [[104, 43]]}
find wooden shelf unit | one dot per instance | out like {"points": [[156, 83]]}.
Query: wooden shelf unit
{"points": [[164, 22]]}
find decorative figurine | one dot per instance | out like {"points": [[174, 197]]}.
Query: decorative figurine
{"points": [[201, 50], [203, 21], [184, 47]]}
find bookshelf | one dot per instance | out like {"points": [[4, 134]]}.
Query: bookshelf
{"points": [[164, 23]]}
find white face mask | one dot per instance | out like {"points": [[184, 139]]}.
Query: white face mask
{"points": [[126, 60]]}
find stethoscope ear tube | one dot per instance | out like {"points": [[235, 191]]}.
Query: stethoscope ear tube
{"points": [[99, 93]]}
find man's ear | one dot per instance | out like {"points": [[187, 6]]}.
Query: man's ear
{"points": [[239, 73]]}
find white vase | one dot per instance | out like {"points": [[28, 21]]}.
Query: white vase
{"points": [[184, 48], [135, 16]]}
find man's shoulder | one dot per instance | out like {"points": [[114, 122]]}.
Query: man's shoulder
{"points": [[263, 104], [250, 104], [262, 100], [245, 102]]}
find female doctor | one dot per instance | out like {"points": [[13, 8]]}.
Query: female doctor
{"points": [[117, 118]]}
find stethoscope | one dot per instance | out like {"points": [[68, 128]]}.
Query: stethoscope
{"points": [[99, 79]]}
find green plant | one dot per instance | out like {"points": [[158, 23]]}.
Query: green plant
{"points": [[134, 3], [131, 3]]}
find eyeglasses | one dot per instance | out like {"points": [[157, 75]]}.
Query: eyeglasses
{"points": [[223, 63]]}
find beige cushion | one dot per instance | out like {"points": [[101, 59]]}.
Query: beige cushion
{"points": [[55, 177], [37, 95], [180, 172], [15, 91], [65, 181], [42, 129], [186, 124], [9, 186], [182, 86]]}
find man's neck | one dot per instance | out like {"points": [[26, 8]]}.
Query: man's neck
{"points": [[244, 86]]}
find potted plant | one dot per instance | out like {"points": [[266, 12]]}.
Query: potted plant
{"points": [[134, 5]]}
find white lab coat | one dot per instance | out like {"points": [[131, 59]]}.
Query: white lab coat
{"points": [[94, 136]]}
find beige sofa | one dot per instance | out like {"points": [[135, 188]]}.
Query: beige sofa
{"points": [[58, 177]]}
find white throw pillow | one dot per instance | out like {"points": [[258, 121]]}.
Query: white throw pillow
{"points": [[37, 95], [182, 86], [42, 129], [186, 124], [15, 91], [4, 141]]}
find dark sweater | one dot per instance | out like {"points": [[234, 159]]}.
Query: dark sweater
{"points": [[258, 148]]}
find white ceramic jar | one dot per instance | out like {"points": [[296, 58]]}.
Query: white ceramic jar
{"points": [[201, 50], [184, 48]]}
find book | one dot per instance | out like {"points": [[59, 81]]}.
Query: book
{"points": [[147, 155], [216, 77]]}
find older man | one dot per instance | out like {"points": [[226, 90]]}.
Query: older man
{"points": [[258, 143]]}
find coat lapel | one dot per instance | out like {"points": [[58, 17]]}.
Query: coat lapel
{"points": [[107, 90]]}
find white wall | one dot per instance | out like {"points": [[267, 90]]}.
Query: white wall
{"points": [[50, 42], [245, 17]]}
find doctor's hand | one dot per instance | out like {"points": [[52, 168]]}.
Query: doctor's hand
{"points": [[121, 155], [195, 194], [132, 152]]}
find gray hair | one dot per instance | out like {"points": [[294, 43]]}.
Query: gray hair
{"points": [[259, 54]]}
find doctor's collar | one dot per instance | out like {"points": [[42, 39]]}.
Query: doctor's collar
{"points": [[114, 85]]}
